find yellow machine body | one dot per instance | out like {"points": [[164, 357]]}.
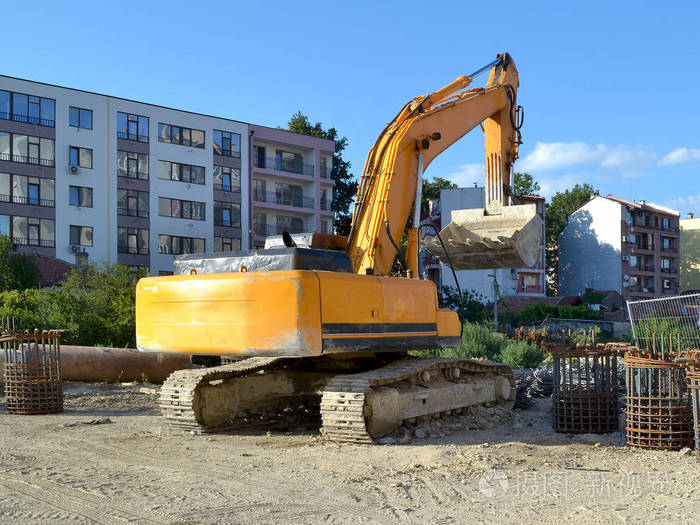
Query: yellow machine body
{"points": [[289, 313]]}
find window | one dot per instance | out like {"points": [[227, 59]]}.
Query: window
{"points": [[325, 227], [292, 162], [180, 172], [259, 156], [179, 135], [81, 235], [132, 165], [132, 203], [27, 108], [289, 224], [665, 264], [80, 157], [667, 243], [132, 127], [80, 117], [132, 240], [80, 196], [227, 214], [325, 203], [634, 262], [26, 149], [21, 189], [289, 195], [225, 244], [181, 209], [227, 179], [227, 144], [666, 223], [180, 245], [28, 231]]}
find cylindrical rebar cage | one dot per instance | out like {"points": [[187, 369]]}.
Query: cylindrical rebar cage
{"points": [[693, 380], [584, 398], [32, 372], [659, 412]]}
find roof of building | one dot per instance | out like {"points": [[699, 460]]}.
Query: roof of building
{"points": [[644, 206], [51, 270]]}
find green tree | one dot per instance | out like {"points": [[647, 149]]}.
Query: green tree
{"points": [[345, 184], [557, 212], [431, 190], [17, 271], [524, 184]]}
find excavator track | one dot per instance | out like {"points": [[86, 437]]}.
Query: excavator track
{"points": [[353, 406], [346, 413]]}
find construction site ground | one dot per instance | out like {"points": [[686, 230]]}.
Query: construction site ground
{"points": [[491, 466]]}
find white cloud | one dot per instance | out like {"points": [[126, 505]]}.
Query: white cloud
{"points": [[549, 185], [553, 155], [680, 155], [689, 202], [467, 174]]}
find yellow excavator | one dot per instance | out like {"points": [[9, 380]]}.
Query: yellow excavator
{"points": [[318, 316]]}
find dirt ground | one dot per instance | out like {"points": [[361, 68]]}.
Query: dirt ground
{"points": [[511, 469]]}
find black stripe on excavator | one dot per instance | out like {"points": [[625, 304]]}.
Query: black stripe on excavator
{"points": [[360, 344], [377, 328]]}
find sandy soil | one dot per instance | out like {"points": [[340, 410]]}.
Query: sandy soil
{"points": [[513, 469]]}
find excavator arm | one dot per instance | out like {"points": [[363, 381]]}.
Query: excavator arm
{"points": [[424, 128]]}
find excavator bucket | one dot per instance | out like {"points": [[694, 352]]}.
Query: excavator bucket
{"points": [[476, 239]]}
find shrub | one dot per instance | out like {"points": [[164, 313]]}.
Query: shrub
{"points": [[521, 353]]}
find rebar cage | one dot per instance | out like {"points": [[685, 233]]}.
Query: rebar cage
{"points": [[659, 412], [584, 398], [693, 381], [32, 371]]}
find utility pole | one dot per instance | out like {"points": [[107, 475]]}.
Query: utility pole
{"points": [[496, 295]]}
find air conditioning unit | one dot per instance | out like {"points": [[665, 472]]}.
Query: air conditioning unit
{"points": [[624, 238], [625, 257], [74, 170], [75, 248]]}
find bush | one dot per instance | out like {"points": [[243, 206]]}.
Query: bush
{"points": [[473, 308], [521, 353], [536, 312]]}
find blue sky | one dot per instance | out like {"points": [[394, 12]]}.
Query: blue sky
{"points": [[610, 89]]}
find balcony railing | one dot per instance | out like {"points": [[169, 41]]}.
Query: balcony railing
{"points": [[135, 137], [279, 164], [227, 187], [640, 289], [264, 230], [132, 213], [25, 241], [27, 200], [132, 174], [642, 268], [325, 173], [669, 249], [28, 120], [227, 224], [49, 163], [272, 197], [669, 270], [325, 205], [133, 250]]}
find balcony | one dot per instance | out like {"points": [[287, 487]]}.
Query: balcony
{"points": [[289, 166], [639, 289], [227, 223], [28, 120], [325, 205], [132, 213], [669, 249], [25, 241], [135, 137], [227, 187], [49, 163], [669, 270], [642, 268], [27, 200], [272, 197], [325, 173], [265, 230], [132, 174]]}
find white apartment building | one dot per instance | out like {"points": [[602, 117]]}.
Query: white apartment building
{"points": [[90, 176]]}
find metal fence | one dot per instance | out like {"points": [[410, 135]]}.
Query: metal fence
{"points": [[670, 322]]}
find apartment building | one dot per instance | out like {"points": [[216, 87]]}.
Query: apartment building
{"points": [[523, 282], [86, 176], [690, 253], [613, 244]]}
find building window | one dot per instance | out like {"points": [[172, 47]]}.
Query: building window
{"points": [[227, 179], [80, 117], [181, 209], [132, 127], [132, 165], [81, 235], [227, 144], [634, 262], [132, 203], [226, 244], [667, 243], [132, 240], [172, 244], [180, 172], [26, 149], [325, 202], [666, 223], [21, 189], [259, 156], [27, 108], [289, 224], [28, 231], [290, 195], [324, 227], [80, 196], [80, 157], [292, 162], [227, 214], [178, 135]]}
